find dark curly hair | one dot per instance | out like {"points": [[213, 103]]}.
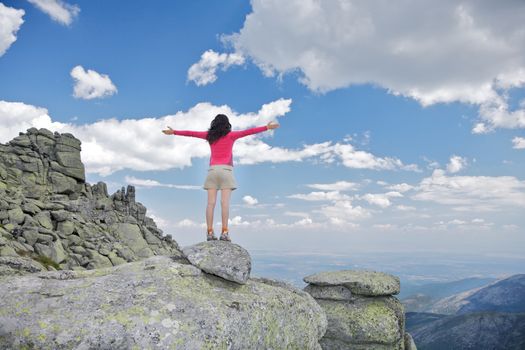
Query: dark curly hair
{"points": [[219, 127]]}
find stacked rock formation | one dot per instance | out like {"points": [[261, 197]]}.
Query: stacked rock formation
{"points": [[361, 310], [159, 303], [50, 218]]}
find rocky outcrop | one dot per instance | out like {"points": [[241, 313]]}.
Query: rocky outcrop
{"points": [[49, 214], [156, 303], [361, 310]]}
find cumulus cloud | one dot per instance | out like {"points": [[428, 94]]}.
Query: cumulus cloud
{"points": [[464, 224], [90, 84], [469, 193], [249, 200], [403, 187], [204, 71], [518, 143], [58, 10], [456, 164], [380, 199], [320, 196], [10, 22], [469, 51], [336, 186], [344, 212], [148, 183], [106, 143]]}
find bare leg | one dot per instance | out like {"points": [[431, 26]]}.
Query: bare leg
{"points": [[225, 206], [212, 197]]}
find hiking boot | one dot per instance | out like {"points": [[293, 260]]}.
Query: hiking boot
{"points": [[211, 237], [225, 237]]}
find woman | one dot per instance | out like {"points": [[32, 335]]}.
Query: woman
{"points": [[220, 174]]}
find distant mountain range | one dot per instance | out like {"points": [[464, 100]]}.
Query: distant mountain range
{"points": [[488, 317], [422, 298]]}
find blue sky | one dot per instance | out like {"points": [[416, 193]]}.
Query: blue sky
{"points": [[394, 136]]}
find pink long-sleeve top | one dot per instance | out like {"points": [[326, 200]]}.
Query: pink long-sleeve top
{"points": [[221, 150]]}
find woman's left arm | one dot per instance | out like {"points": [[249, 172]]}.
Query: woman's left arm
{"points": [[242, 133]]}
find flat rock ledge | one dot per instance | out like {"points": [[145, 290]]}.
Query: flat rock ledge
{"points": [[224, 259], [361, 310], [157, 303], [362, 282]]}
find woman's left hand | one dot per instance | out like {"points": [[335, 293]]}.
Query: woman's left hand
{"points": [[168, 131]]}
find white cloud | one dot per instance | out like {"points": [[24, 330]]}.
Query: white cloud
{"points": [[10, 22], [403, 187], [153, 183], [470, 51], [58, 10], [249, 200], [456, 164], [90, 84], [380, 199], [204, 71], [321, 196], [336, 186], [187, 223], [106, 143], [472, 193], [343, 212], [16, 117], [296, 213], [518, 143], [353, 158], [405, 208]]}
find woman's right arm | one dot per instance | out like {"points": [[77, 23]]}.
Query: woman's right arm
{"points": [[198, 134]]}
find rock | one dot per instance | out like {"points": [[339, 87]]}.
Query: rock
{"points": [[30, 208], [15, 265], [130, 235], [362, 282], [31, 236], [62, 183], [7, 251], [115, 259], [364, 321], [44, 219], [98, 260], [360, 308], [227, 260], [409, 342], [44, 198], [54, 251], [66, 227], [329, 292], [60, 215], [155, 303], [16, 215]]}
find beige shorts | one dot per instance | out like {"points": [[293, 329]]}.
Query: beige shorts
{"points": [[220, 177]]}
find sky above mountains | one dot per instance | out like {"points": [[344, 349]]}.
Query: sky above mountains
{"points": [[402, 126]]}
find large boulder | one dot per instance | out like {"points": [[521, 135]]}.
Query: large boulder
{"points": [[227, 260], [361, 310], [157, 303]]}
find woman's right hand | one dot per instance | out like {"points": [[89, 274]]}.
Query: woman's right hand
{"points": [[168, 131], [272, 126]]}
